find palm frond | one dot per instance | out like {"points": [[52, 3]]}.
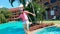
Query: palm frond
{"points": [[20, 1], [11, 1]]}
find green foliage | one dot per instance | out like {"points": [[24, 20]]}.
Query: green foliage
{"points": [[2, 18], [38, 9], [4, 15]]}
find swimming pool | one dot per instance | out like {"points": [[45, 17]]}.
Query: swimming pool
{"points": [[15, 27], [49, 30]]}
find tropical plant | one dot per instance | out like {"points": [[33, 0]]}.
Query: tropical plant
{"points": [[4, 15], [38, 9], [2, 18]]}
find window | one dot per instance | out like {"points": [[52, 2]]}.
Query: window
{"points": [[46, 3], [52, 12], [53, 1], [56, 7]]}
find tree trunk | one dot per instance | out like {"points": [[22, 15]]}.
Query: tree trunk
{"points": [[46, 15], [34, 13]]}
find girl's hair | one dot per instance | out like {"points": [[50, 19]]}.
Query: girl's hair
{"points": [[23, 9]]}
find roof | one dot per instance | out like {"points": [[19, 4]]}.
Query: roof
{"points": [[14, 9]]}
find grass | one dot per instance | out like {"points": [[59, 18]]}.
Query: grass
{"points": [[55, 21]]}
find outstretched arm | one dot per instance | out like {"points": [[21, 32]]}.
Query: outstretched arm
{"points": [[16, 18], [30, 13]]}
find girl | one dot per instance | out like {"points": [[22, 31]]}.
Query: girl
{"points": [[24, 17]]}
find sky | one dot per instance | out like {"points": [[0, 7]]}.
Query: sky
{"points": [[5, 3]]}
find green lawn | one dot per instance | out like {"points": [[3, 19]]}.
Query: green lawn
{"points": [[56, 22]]}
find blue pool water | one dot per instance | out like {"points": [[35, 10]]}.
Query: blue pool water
{"points": [[15, 27], [49, 30]]}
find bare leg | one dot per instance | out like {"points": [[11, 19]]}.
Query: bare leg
{"points": [[27, 22]]}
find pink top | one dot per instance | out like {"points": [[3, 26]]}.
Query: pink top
{"points": [[23, 16]]}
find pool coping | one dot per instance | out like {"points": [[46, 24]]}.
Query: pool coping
{"points": [[32, 32]]}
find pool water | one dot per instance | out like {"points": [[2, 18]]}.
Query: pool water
{"points": [[49, 30], [15, 27]]}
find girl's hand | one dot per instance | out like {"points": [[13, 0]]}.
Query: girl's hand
{"points": [[15, 18], [33, 14]]}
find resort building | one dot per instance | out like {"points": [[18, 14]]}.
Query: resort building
{"points": [[53, 8], [15, 13]]}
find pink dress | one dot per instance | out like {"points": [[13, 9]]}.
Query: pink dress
{"points": [[23, 16]]}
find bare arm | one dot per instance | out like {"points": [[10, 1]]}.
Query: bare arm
{"points": [[31, 13], [17, 18]]}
